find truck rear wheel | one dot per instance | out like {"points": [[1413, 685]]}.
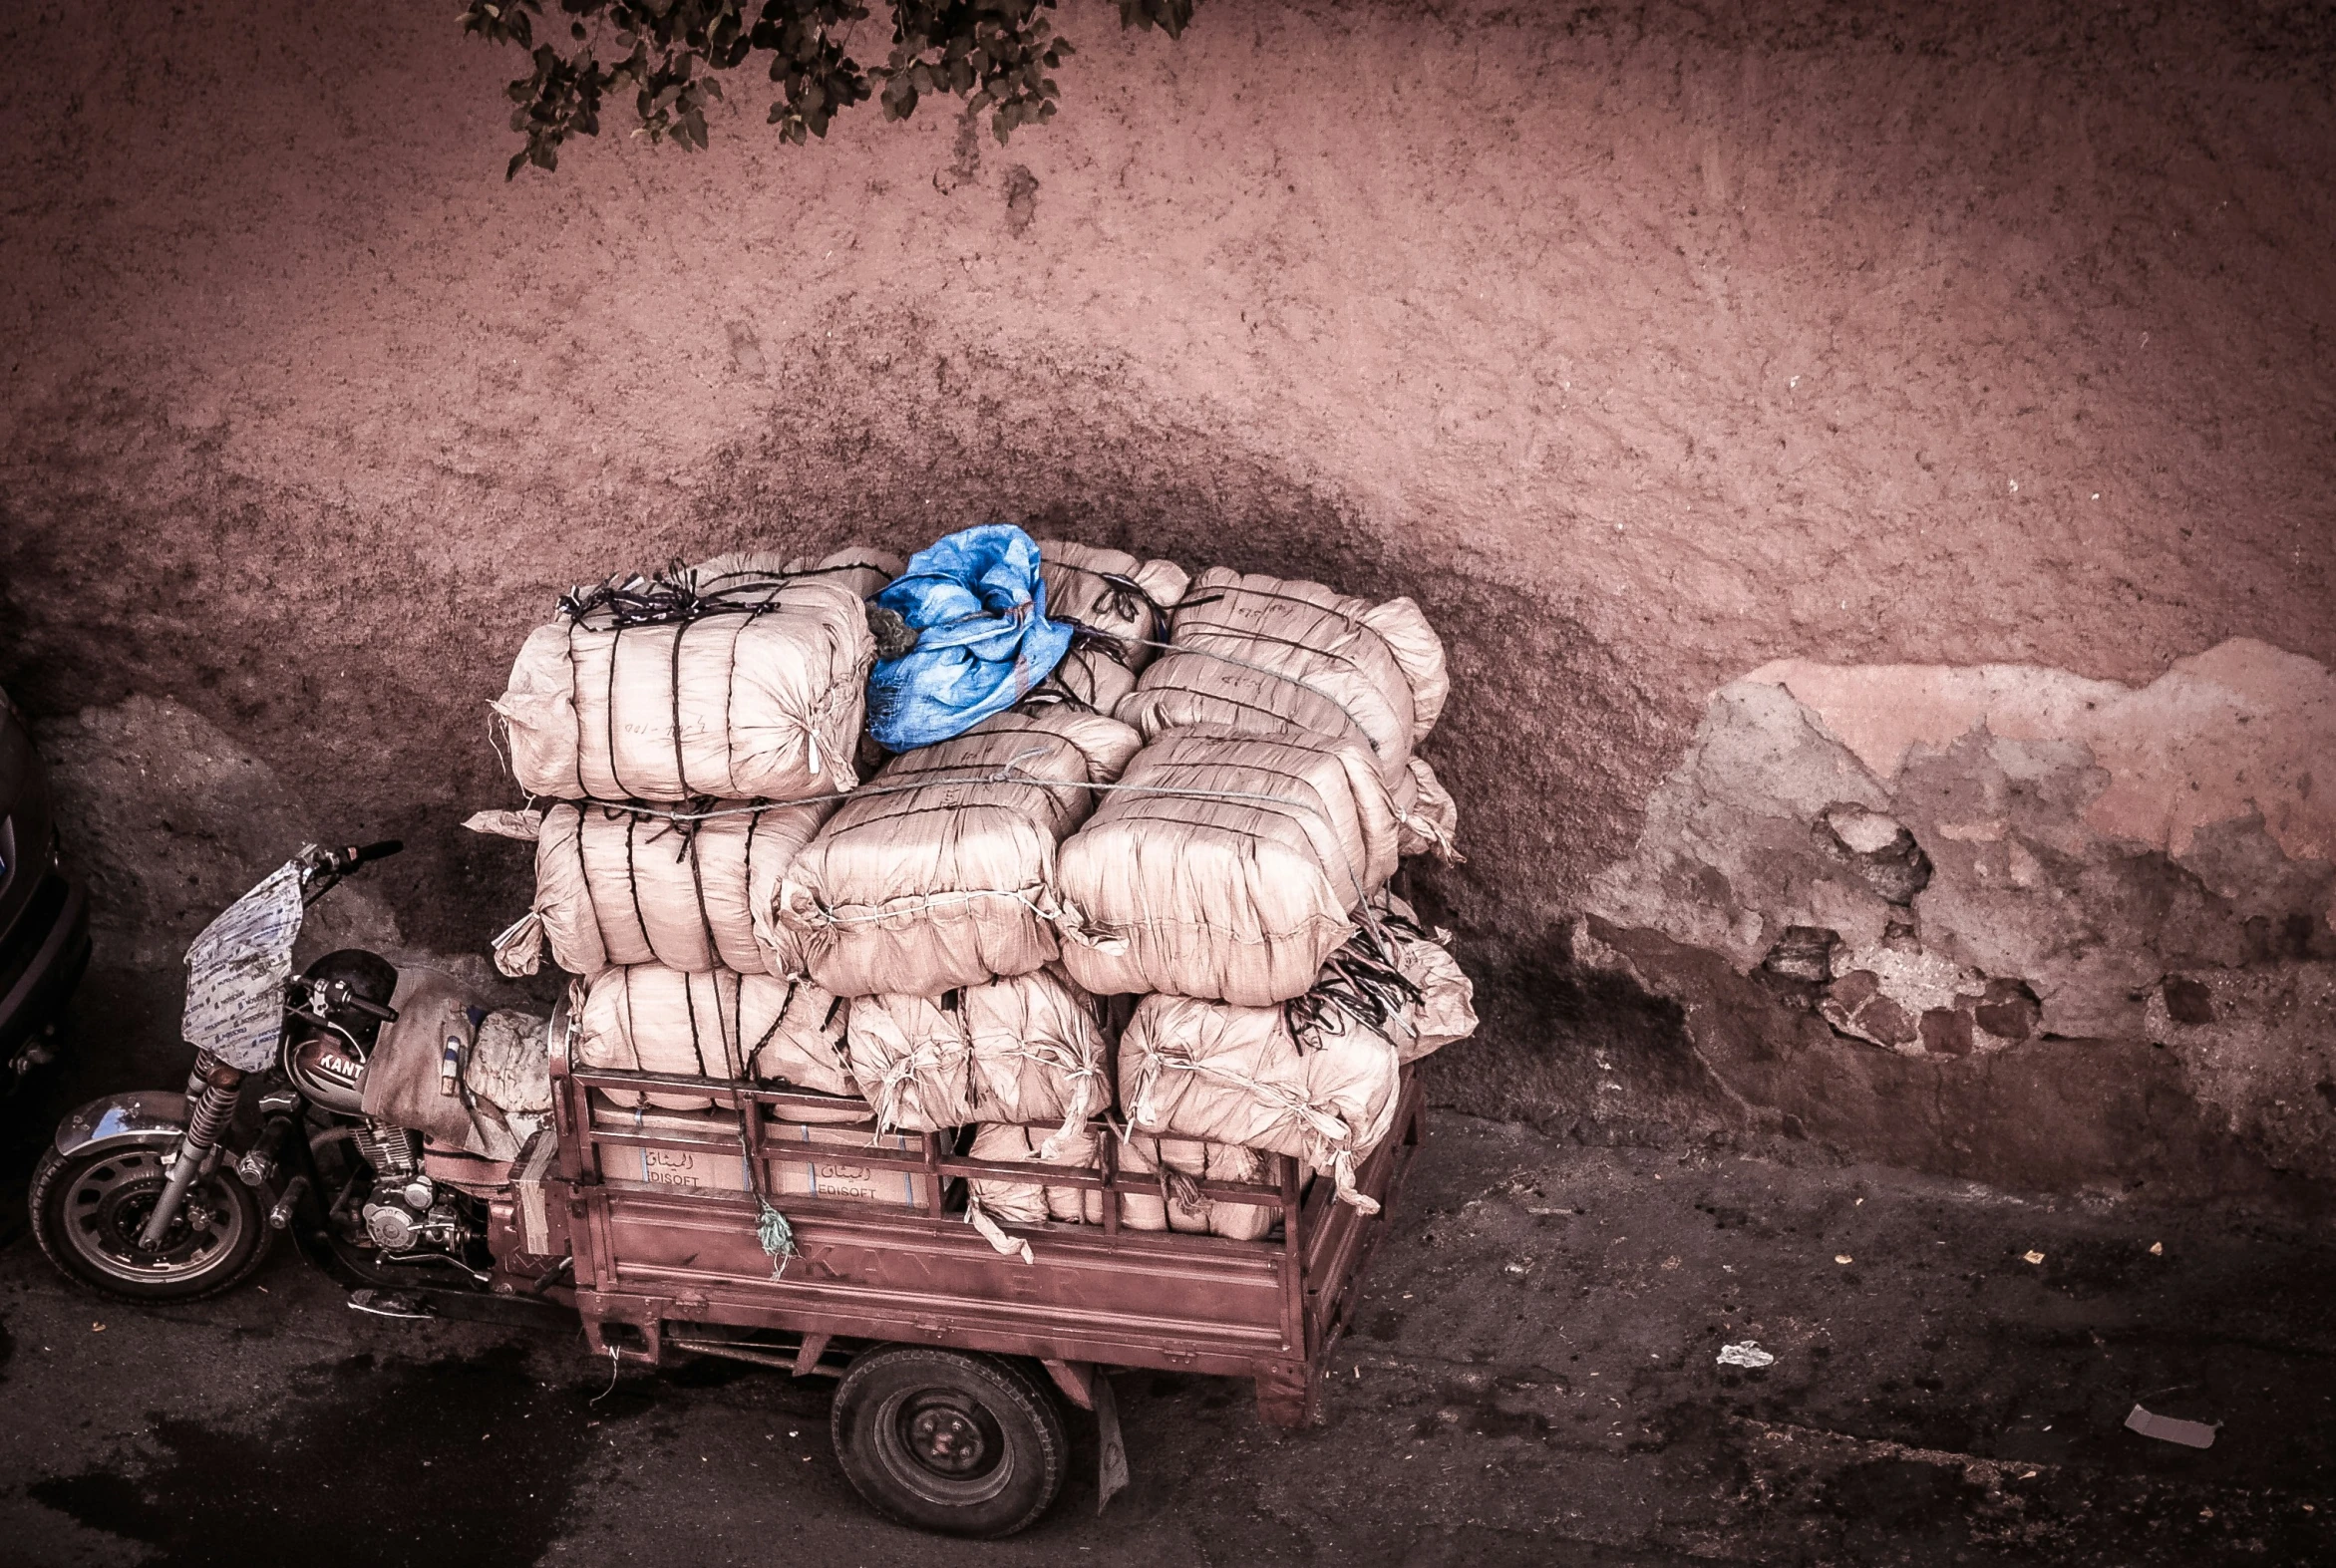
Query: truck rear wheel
{"points": [[949, 1442]]}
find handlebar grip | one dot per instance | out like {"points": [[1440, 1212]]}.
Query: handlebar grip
{"points": [[385, 1013], [374, 851]]}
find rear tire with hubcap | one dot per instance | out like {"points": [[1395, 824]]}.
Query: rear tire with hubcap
{"points": [[948, 1441], [88, 1209]]}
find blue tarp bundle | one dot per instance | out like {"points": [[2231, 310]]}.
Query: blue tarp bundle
{"points": [[978, 607]]}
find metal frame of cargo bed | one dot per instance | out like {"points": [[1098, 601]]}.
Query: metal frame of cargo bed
{"points": [[659, 1267]]}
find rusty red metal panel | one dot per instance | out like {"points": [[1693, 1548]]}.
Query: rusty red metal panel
{"points": [[1092, 1295]]}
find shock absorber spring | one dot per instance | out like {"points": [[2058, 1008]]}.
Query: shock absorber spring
{"points": [[214, 1108], [210, 1116]]}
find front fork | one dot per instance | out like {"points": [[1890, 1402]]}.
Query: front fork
{"points": [[198, 1150]]}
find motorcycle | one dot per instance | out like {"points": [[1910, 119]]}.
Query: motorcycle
{"points": [[340, 1105]]}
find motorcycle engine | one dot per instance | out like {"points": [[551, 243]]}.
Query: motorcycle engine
{"points": [[417, 1214], [406, 1210]]}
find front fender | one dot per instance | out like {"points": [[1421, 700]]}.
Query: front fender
{"points": [[146, 1118]]}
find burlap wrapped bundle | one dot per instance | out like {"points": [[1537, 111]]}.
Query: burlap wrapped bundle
{"points": [[1226, 866], [1122, 602], [1173, 1166], [1443, 1008], [646, 1018], [941, 871], [721, 683], [1221, 1074], [1034, 1203], [1028, 1048], [616, 886], [1267, 654], [1158, 1179]]}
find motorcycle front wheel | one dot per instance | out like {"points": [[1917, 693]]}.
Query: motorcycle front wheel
{"points": [[90, 1209]]}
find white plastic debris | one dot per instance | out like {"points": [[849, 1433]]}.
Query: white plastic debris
{"points": [[2167, 1429], [1748, 1354]]}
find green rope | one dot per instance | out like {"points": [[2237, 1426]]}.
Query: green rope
{"points": [[775, 1235]]}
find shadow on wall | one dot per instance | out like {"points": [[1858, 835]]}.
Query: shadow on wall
{"points": [[353, 657], [227, 669]]}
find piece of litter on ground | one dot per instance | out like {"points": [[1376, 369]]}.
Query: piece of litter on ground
{"points": [[1844, 1257], [2157, 1249], [2031, 1256], [2167, 1429], [1748, 1354]]}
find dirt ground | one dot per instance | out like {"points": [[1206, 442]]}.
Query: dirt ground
{"points": [[1533, 1379]]}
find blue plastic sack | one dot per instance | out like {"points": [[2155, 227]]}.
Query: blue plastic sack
{"points": [[978, 606]]}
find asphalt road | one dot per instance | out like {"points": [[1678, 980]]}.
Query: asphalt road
{"points": [[1533, 1381]]}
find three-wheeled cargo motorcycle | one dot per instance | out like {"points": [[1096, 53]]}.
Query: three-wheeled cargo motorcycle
{"points": [[431, 1151]]}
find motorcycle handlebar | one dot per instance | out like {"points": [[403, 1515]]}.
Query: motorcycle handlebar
{"points": [[340, 862], [385, 1014]]}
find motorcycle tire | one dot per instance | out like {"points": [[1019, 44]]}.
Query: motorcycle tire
{"points": [[949, 1442], [87, 1210]]}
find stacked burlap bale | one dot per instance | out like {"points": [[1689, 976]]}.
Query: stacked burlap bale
{"points": [[1268, 655], [692, 731], [1229, 865], [621, 886], [1159, 1185], [1034, 1203], [1025, 1049], [729, 684], [1323, 1094], [717, 1024], [940, 872]]}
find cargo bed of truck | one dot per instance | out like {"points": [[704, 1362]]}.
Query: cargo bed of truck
{"points": [[661, 1215]]}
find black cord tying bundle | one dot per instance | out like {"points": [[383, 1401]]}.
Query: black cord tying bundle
{"points": [[672, 596], [1128, 600], [1361, 980], [678, 594], [1094, 639], [1125, 597]]}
